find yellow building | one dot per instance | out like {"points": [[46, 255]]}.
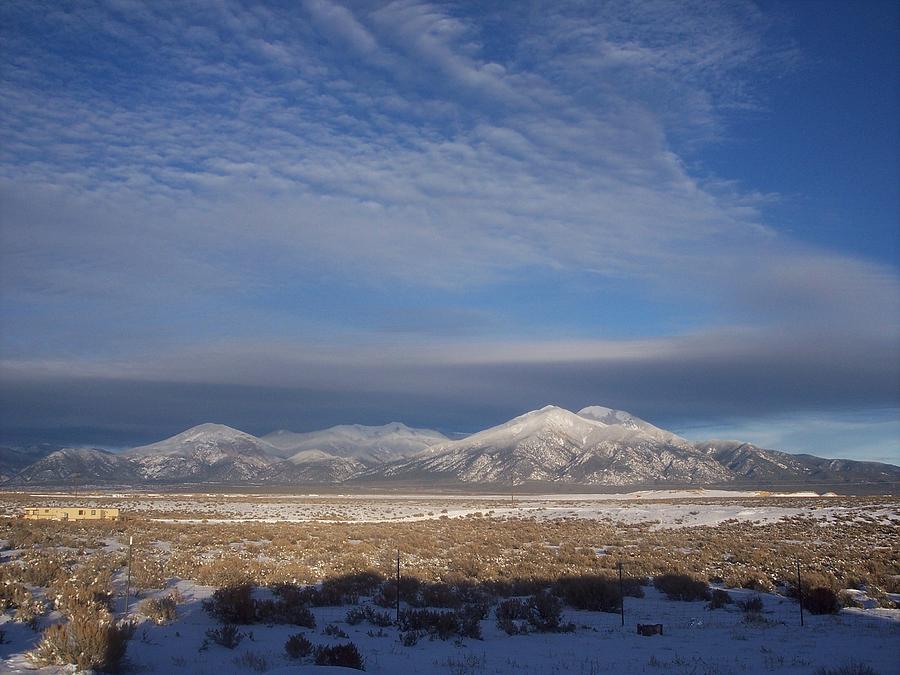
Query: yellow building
{"points": [[70, 513]]}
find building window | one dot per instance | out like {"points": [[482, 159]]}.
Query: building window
{"points": [[80, 512], [93, 512]]}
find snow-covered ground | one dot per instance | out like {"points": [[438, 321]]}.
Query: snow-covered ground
{"points": [[696, 640]]}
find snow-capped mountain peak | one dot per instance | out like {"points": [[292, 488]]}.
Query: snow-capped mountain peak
{"points": [[371, 445]]}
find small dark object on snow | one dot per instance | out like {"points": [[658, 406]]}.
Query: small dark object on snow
{"points": [[650, 629]]}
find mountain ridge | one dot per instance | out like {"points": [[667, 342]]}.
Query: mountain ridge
{"points": [[595, 447]]}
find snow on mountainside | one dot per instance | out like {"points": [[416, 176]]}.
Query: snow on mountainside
{"points": [[207, 452], [14, 459], [748, 461], [596, 446], [370, 445], [81, 464], [620, 418], [555, 445]]}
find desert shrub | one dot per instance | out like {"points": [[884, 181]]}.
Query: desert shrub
{"points": [[596, 593], [88, 588], [293, 613], [346, 655], [232, 604], [16, 596], [160, 610], [434, 622], [821, 600], [251, 661], [682, 587], [357, 615], [439, 595], [226, 636], [411, 638], [541, 612], [719, 599], [334, 631], [42, 570], [545, 612], [349, 587], [298, 646], [148, 571], [512, 616], [386, 596], [752, 604], [757, 584], [470, 617], [851, 668], [91, 639]]}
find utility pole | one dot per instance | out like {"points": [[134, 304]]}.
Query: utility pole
{"points": [[799, 592], [621, 595], [398, 586], [128, 578]]}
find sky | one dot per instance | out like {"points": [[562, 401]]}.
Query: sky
{"points": [[298, 214]]}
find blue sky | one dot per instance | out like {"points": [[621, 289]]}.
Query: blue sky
{"points": [[291, 215]]}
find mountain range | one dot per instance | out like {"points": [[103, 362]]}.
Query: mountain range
{"points": [[596, 446]]}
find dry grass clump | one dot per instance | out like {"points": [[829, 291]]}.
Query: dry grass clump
{"points": [[161, 610], [91, 639]]}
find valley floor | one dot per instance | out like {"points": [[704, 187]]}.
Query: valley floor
{"points": [[196, 543], [696, 641]]}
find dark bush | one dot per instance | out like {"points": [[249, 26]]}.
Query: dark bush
{"points": [[91, 639], [545, 612], [596, 593], [439, 595], [719, 599], [227, 636], [682, 587], [346, 655], [386, 596], [346, 589], [232, 604], [470, 617], [441, 624], [541, 612], [821, 600], [512, 616], [334, 631], [283, 611], [752, 604], [298, 646], [357, 615]]}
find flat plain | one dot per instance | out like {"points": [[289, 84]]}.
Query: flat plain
{"points": [[490, 583]]}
